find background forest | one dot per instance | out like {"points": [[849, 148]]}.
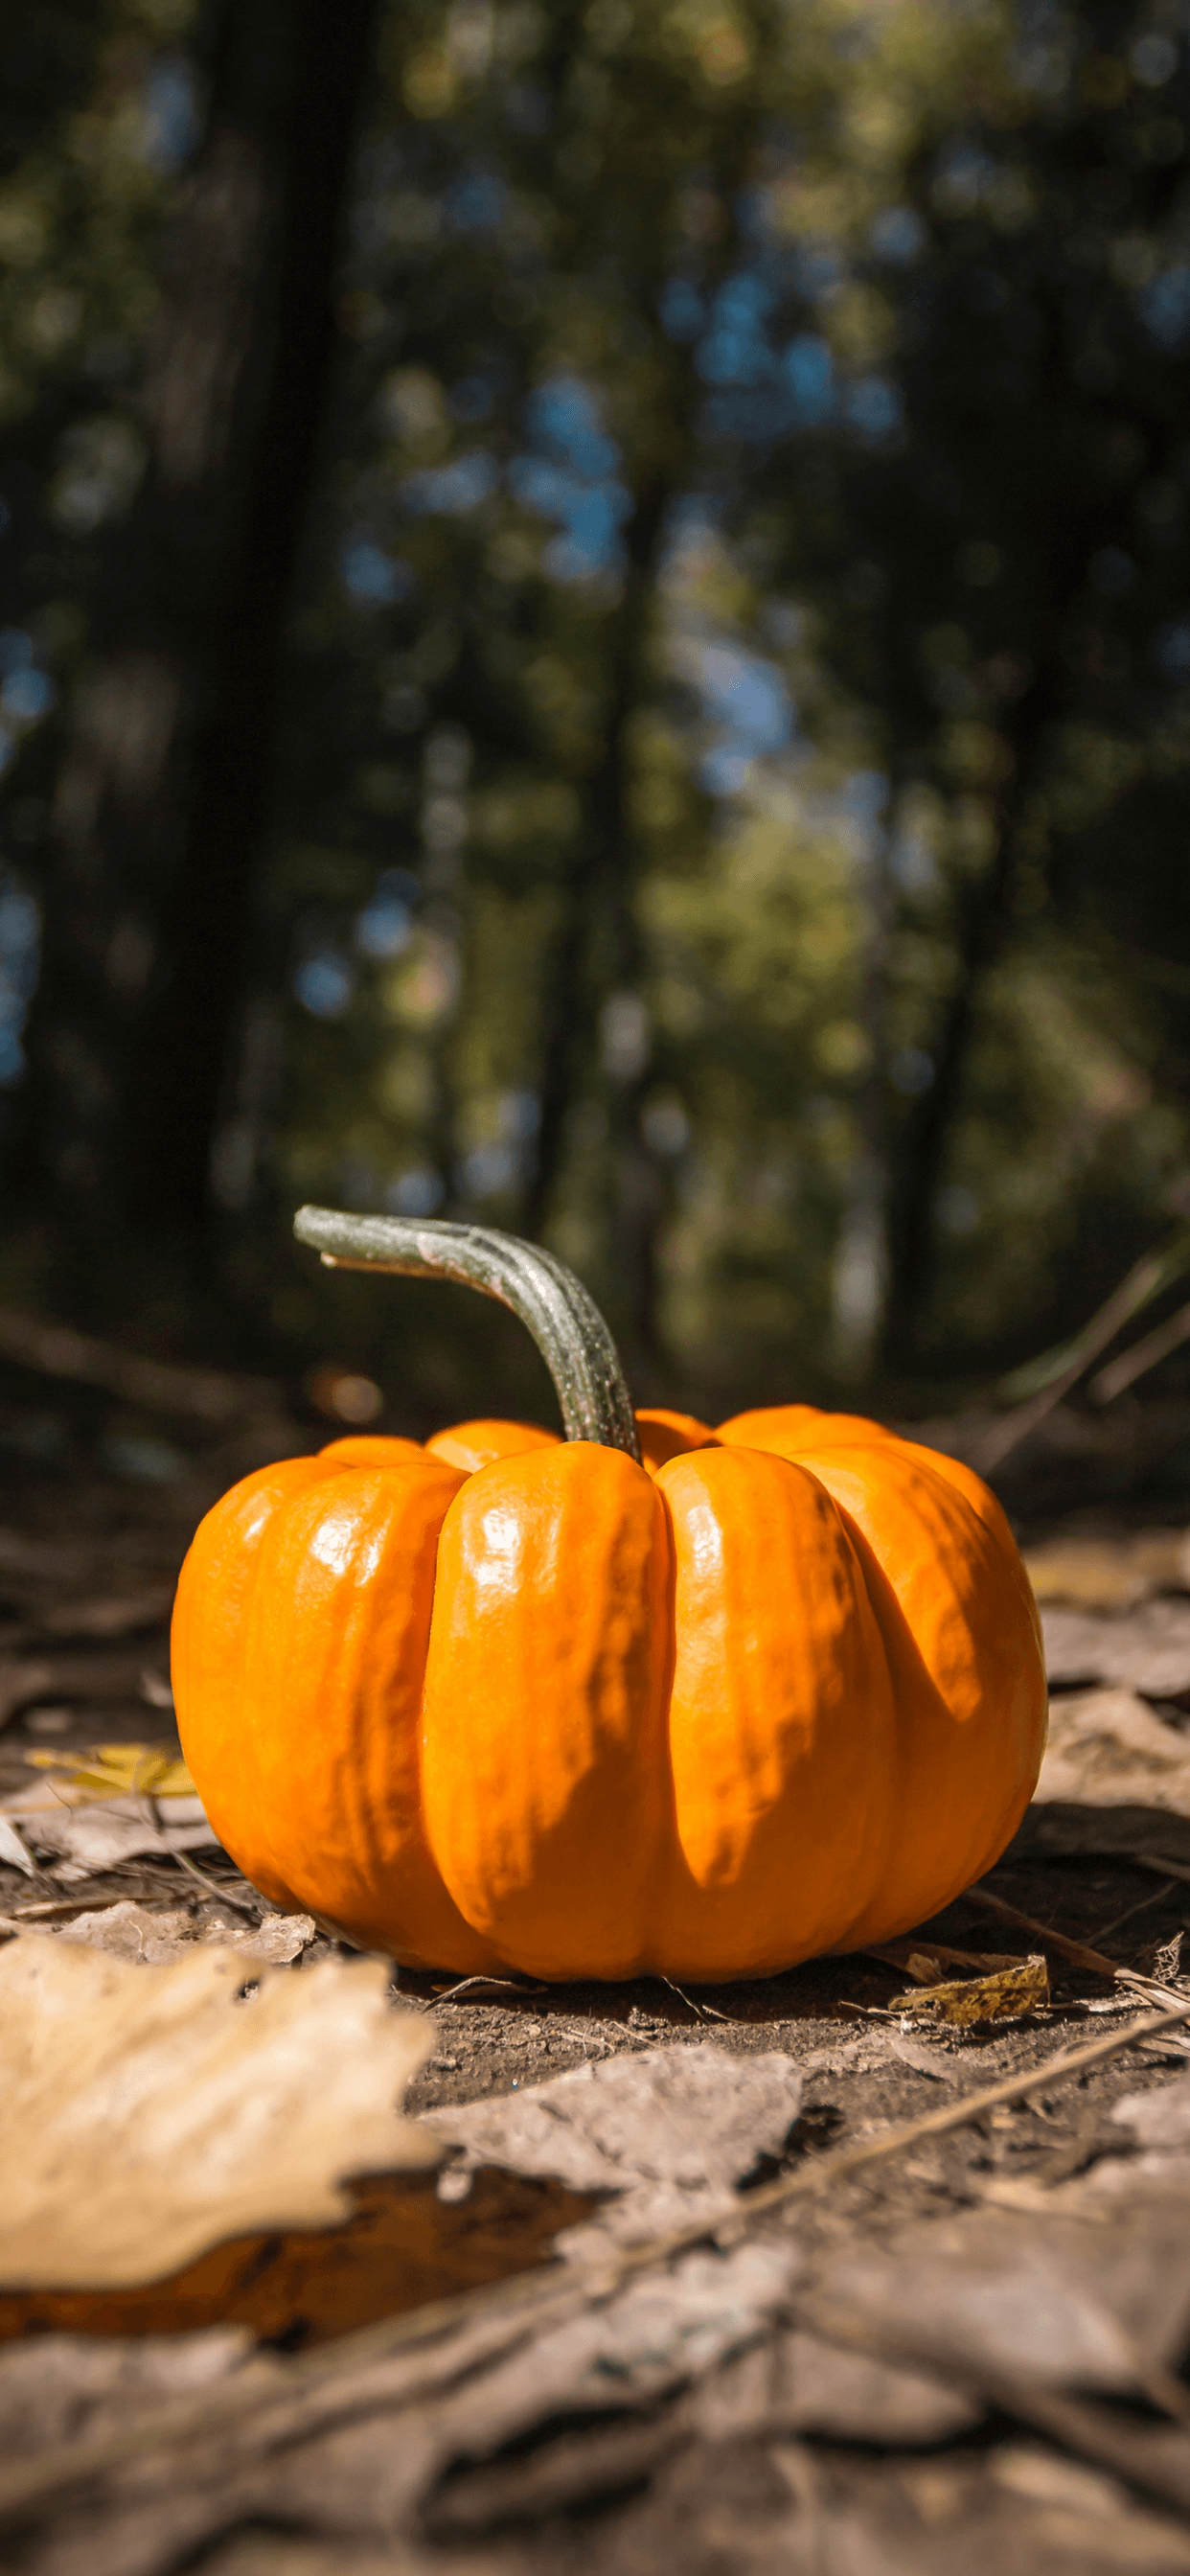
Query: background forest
{"points": [[596, 637]]}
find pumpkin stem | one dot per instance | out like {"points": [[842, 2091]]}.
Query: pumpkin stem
{"points": [[566, 1324]]}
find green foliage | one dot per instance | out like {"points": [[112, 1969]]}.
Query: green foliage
{"points": [[732, 765]]}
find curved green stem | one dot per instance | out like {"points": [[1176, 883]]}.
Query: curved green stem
{"points": [[566, 1324]]}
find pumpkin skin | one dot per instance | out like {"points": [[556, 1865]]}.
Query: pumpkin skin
{"points": [[777, 1692]]}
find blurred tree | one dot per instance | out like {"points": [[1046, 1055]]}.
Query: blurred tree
{"points": [[555, 230], [728, 743], [1006, 578], [161, 798]]}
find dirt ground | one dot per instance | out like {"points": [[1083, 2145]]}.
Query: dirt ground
{"points": [[86, 1567]]}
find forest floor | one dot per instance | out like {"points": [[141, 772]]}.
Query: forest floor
{"points": [[688, 2304]]}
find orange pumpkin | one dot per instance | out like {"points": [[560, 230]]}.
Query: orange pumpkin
{"points": [[514, 1701]]}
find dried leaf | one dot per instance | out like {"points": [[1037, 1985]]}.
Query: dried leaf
{"points": [[926, 2060], [80, 1840], [1146, 1650], [1160, 2118], [56, 2388], [1110, 1574], [149, 2114], [796, 2383], [668, 2131], [128, 1931], [13, 1852], [967, 2002], [1106, 1749], [1161, 1962], [118, 1771]]}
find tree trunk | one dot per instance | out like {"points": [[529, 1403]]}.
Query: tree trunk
{"points": [[985, 924], [162, 798]]}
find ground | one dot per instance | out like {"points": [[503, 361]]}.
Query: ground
{"points": [[688, 2459]]}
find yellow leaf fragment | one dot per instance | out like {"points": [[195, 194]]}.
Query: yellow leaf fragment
{"points": [[964, 2002], [120, 1770], [149, 2113]]}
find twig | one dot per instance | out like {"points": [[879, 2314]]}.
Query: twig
{"points": [[1120, 1850], [1044, 1382], [1143, 1356], [1155, 1899], [507, 1985], [527, 2297], [1076, 1953], [239, 1904], [63, 1905], [202, 1395], [701, 2012], [1168, 1868]]}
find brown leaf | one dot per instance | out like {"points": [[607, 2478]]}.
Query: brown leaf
{"points": [[1106, 1749], [128, 1931], [968, 2001], [81, 1840], [668, 2131], [1146, 1649], [1110, 1573], [149, 2114]]}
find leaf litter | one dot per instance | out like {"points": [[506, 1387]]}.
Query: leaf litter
{"points": [[419, 2435], [149, 2111]]}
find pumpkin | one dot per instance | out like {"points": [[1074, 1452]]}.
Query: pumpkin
{"points": [[649, 1698]]}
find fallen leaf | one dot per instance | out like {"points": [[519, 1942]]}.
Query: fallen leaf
{"points": [[1160, 2118], [129, 1931], [263, 2553], [149, 2114], [989, 2289], [668, 2131], [13, 1852], [1148, 1649], [926, 2060], [55, 2388], [369, 2464], [1106, 1749], [1162, 1961], [796, 2383], [965, 2002], [79, 1840], [1110, 1574], [118, 1771]]}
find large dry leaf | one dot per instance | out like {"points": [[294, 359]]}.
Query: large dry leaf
{"points": [[1160, 2118], [148, 2113], [668, 2131], [1064, 2301], [1147, 1649], [1106, 1749], [793, 2382]]}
